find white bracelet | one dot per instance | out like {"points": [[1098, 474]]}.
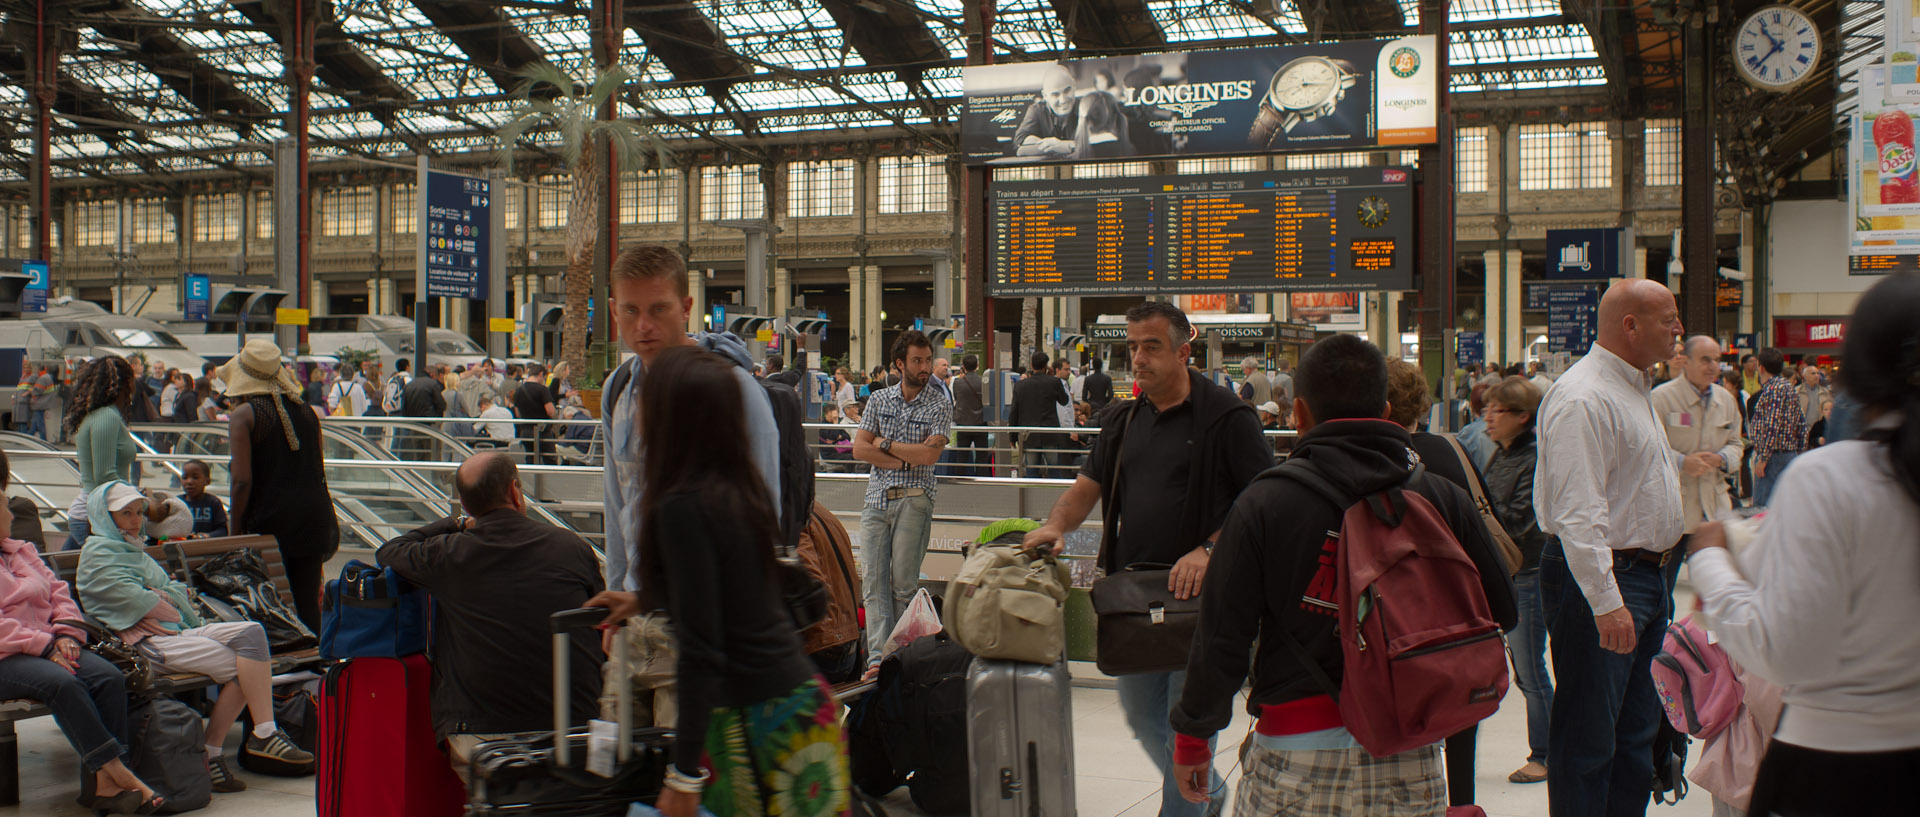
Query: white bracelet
{"points": [[687, 785]]}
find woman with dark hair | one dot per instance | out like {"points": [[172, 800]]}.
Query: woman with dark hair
{"points": [[185, 407], [103, 398], [275, 442], [758, 732], [1511, 404], [1408, 399], [1824, 600]]}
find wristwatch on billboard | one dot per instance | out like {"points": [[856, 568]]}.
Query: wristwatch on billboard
{"points": [[1303, 90]]}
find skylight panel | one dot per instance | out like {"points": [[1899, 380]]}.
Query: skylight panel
{"points": [[1030, 25], [1200, 20]]}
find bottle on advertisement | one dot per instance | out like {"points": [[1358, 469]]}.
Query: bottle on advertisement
{"points": [[1893, 143]]}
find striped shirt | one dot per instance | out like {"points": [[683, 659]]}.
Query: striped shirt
{"points": [[889, 415]]}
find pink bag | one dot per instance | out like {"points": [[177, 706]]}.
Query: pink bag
{"points": [[1697, 684]]}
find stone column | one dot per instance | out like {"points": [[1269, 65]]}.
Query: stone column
{"points": [[317, 296], [863, 317], [697, 314], [1640, 264]]}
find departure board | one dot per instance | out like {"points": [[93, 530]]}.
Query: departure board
{"points": [[1346, 229]]}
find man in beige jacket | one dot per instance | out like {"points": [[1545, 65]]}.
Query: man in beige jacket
{"points": [[1703, 428]]}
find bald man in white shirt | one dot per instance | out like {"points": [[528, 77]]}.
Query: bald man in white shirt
{"points": [[1607, 488]]}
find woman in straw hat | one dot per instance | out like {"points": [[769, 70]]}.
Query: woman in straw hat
{"points": [[279, 485]]}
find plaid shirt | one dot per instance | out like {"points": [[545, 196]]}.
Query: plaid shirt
{"points": [[1776, 424], [889, 415]]}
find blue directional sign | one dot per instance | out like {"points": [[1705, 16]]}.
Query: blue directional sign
{"points": [[199, 297], [719, 318], [1584, 254], [34, 297], [1472, 348], [1573, 319], [458, 214]]}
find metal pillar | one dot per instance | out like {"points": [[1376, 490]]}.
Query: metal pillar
{"points": [[498, 301], [1696, 187], [46, 62], [286, 231], [1436, 216], [973, 204], [758, 232], [298, 43]]}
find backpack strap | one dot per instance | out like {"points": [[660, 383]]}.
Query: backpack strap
{"points": [[1314, 669]]}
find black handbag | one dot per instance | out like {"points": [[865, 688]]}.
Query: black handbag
{"points": [[239, 578], [1143, 628], [127, 658]]}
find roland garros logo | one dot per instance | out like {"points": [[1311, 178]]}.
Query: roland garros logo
{"points": [[1404, 63]]}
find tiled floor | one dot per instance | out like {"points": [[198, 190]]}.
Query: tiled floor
{"points": [[1114, 779]]}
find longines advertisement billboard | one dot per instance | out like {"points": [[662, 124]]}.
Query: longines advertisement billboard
{"points": [[1323, 96]]}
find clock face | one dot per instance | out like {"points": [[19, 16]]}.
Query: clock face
{"points": [[1304, 84], [1776, 48], [1373, 212]]}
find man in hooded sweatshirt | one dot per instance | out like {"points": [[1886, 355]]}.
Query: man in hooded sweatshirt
{"points": [[650, 304], [1164, 470], [1273, 572]]}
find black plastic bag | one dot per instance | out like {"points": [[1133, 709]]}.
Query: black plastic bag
{"points": [[240, 579]]}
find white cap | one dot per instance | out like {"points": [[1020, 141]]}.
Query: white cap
{"points": [[1269, 407], [121, 495]]}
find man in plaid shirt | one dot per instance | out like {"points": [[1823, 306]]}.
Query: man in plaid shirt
{"points": [[902, 432], [1778, 429]]}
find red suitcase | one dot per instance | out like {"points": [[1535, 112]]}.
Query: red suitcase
{"points": [[377, 754]]}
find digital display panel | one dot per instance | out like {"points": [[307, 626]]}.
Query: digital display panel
{"points": [[1348, 229]]}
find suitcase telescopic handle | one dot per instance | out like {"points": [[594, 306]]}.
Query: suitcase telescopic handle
{"points": [[565, 623]]}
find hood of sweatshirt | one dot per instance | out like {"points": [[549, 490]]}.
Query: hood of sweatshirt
{"points": [[1360, 456], [725, 343]]}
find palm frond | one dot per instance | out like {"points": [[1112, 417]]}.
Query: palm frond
{"points": [[541, 73]]}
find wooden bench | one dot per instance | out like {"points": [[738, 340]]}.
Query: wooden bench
{"points": [[179, 558]]}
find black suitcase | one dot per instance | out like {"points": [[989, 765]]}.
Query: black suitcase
{"points": [[544, 773]]}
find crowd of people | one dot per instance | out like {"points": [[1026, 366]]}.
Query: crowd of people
{"points": [[1604, 480]]}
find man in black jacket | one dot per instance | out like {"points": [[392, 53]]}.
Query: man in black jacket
{"points": [[496, 576], [1036, 403], [968, 410], [1097, 388], [422, 397], [1273, 571], [1164, 469]]}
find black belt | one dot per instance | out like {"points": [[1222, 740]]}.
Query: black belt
{"points": [[1660, 558]]}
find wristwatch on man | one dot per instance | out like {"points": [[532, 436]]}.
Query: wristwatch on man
{"points": [[886, 445]]}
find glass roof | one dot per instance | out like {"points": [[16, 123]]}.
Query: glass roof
{"points": [[800, 71]]}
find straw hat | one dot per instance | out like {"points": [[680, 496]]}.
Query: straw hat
{"points": [[257, 370]]}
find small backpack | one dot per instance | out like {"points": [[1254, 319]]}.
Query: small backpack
{"points": [[1422, 655], [1697, 685], [391, 401], [1009, 603]]}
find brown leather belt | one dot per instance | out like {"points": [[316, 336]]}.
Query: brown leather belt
{"points": [[1660, 558], [901, 493]]}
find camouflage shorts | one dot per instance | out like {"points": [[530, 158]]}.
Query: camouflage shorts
{"points": [[1340, 783]]}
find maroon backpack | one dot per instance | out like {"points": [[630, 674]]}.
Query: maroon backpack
{"points": [[1422, 655]]}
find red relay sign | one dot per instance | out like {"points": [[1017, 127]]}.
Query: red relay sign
{"points": [[1796, 333]]}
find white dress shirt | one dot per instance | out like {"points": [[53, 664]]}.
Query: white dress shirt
{"points": [[1827, 605], [502, 432], [1605, 479]]}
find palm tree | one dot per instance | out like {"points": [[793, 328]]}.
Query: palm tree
{"points": [[571, 109]]}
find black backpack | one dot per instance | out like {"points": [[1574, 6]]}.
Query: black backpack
{"points": [[913, 727], [168, 753]]}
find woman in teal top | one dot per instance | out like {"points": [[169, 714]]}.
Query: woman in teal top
{"points": [[97, 423]]}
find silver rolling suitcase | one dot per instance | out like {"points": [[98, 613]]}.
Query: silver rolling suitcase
{"points": [[1020, 739]]}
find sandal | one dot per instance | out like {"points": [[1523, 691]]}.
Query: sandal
{"points": [[1521, 775], [128, 801]]}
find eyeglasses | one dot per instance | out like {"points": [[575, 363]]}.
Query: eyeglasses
{"points": [[1490, 411]]}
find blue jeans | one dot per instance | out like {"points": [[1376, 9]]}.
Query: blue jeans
{"points": [[1148, 701], [37, 423], [1605, 710], [1527, 647], [893, 540], [90, 707], [77, 532], [1763, 485]]}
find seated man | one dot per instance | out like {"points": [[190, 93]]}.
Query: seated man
{"points": [[493, 434], [492, 664]]}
